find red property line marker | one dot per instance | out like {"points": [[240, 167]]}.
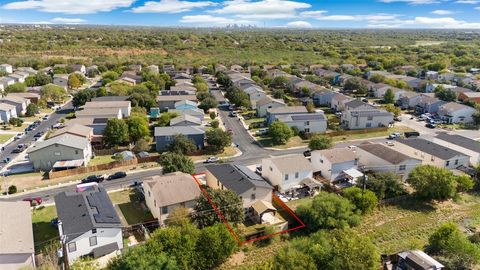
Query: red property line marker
{"points": [[302, 225]]}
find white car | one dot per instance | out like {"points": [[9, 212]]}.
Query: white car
{"points": [[352, 147], [389, 143], [212, 160]]}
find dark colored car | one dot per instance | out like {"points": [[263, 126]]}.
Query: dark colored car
{"points": [[17, 150], [430, 125], [117, 175], [307, 153], [32, 201], [93, 178], [409, 134], [38, 135]]}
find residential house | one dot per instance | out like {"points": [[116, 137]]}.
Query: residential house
{"points": [[356, 104], [105, 113], [164, 136], [185, 120], [446, 77], [98, 126], [380, 92], [110, 98], [64, 147], [19, 103], [273, 113], [32, 97], [378, 157], [92, 70], [431, 75], [255, 93], [61, 80], [132, 75], [323, 97], [461, 144], [431, 153], [7, 111], [137, 68], [220, 67], [17, 77], [359, 117], [218, 95], [184, 87], [16, 237], [334, 164], [79, 68], [409, 100], [236, 68], [428, 104], [249, 186], [88, 223], [153, 68], [166, 102], [338, 101], [469, 97], [238, 81], [198, 113], [29, 70], [22, 74], [183, 77], [124, 106], [305, 122], [164, 193], [127, 81], [301, 84], [413, 82], [76, 130], [185, 105], [332, 75], [267, 103], [287, 173], [273, 73], [6, 68], [453, 113], [415, 260], [168, 68], [5, 82], [343, 78]]}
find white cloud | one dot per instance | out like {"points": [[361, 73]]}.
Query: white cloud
{"points": [[264, 9], [171, 6], [208, 20], [471, 2], [320, 15], [70, 6], [412, 2], [427, 22], [67, 20], [442, 12], [477, 8], [299, 24]]}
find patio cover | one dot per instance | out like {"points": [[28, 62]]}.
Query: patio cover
{"points": [[65, 164], [353, 173]]}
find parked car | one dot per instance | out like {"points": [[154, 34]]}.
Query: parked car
{"points": [[117, 175], [45, 117], [93, 178], [36, 200], [38, 135], [307, 153], [409, 134], [261, 131], [352, 147], [430, 125], [233, 114], [212, 160], [389, 143], [17, 150]]}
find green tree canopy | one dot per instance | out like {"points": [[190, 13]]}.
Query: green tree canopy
{"points": [[218, 139], [389, 97], [182, 145], [164, 119], [116, 132], [32, 109], [364, 200], [386, 185], [231, 204], [53, 93], [320, 142], [173, 162], [138, 127], [280, 132], [16, 88], [207, 104]]}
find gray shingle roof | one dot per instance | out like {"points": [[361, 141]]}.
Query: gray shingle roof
{"points": [[63, 139], [431, 148], [84, 211], [384, 152], [460, 141], [237, 178], [170, 131]]}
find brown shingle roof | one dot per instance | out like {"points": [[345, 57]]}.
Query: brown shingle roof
{"points": [[292, 163], [173, 188], [384, 152], [336, 155]]}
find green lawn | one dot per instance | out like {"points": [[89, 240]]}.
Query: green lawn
{"points": [[132, 209], [5, 137], [296, 203], [228, 152], [348, 137], [43, 230], [293, 142], [101, 160]]}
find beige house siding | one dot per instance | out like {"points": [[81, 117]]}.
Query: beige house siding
{"points": [[376, 164], [428, 159]]}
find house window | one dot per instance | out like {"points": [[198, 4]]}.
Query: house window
{"points": [[355, 162], [72, 247], [296, 175], [76, 152], [168, 138], [321, 160], [56, 153], [149, 193], [94, 231], [286, 177], [307, 130], [447, 163], [271, 169], [456, 161], [307, 123], [154, 203], [370, 118], [252, 196], [93, 241], [165, 210], [402, 167]]}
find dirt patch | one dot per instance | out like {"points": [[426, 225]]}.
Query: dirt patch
{"points": [[236, 258]]}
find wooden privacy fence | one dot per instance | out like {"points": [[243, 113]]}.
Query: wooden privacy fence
{"points": [[99, 167], [359, 131]]}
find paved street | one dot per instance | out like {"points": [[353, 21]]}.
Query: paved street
{"points": [[28, 138]]}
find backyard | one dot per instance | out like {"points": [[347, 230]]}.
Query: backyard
{"points": [[43, 231], [130, 206], [97, 160]]}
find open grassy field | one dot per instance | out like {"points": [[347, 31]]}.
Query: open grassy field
{"points": [[5, 137]]}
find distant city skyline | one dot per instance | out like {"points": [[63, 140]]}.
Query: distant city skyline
{"points": [[435, 14]]}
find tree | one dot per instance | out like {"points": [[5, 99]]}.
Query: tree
{"points": [[42, 79], [386, 185], [179, 216], [182, 145], [238, 97], [328, 211], [432, 182], [116, 132], [215, 124], [143, 144], [215, 244], [453, 247], [173, 162], [310, 107], [464, 182], [320, 142], [109, 76], [15, 121], [16, 88], [213, 115], [395, 110], [118, 88], [30, 81], [32, 109], [445, 94], [280, 132], [356, 84], [53, 93], [164, 119], [329, 250], [207, 104], [201, 86], [138, 127], [73, 81], [83, 96], [389, 97], [231, 204], [12, 189], [364, 201], [218, 139]]}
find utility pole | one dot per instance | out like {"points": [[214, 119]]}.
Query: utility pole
{"points": [[63, 239]]}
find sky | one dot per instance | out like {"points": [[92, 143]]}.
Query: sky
{"points": [[435, 14]]}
